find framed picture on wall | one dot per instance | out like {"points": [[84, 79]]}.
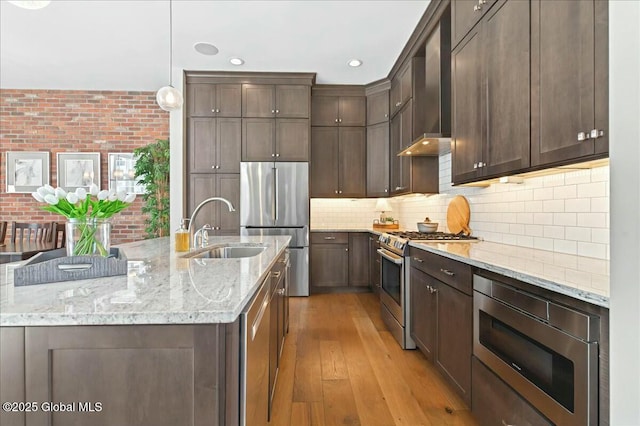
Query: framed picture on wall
{"points": [[78, 169], [27, 171], [122, 173]]}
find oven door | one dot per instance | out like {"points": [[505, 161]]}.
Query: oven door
{"points": [[392, 283], [553, 370]]}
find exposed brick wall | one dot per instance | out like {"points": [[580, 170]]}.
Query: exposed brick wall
{"points": [[76, 121]]}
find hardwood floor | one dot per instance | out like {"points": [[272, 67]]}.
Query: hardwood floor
{"points": [[341, 367]]}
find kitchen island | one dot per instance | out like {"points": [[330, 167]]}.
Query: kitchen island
{"points": [[159, 346]]}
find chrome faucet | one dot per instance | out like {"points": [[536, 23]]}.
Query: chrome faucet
{"points": [[203, 230]]}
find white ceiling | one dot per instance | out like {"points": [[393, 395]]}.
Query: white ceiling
{"points": [[124, 45]]}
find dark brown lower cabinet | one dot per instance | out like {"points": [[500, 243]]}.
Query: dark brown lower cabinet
{"points": [[442, 318], [123, 375], [374, 263], [339, 261], [495, 403], [359, 259]]}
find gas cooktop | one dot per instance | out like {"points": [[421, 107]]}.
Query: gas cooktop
{"points": [[431, 236]]}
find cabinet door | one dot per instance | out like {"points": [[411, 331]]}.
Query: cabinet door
{"points": [[352, 157], [324, 162], [406, 138], [353, 111], [406, 82], [258, 139], [12, 379], [229, 137], [395, 96], [359, 259], [467, 105], [464, 15], [202, 146], [424, 306], [395, 163], [378, 160], [374, 263], [505, 37], [292, 139], [228, 186], [229, 100], [378, 108], [258, 100], [563, 80], [292, 101], [201, 100], [455, 333], [201, 187], [324, 110], [329, 265]]}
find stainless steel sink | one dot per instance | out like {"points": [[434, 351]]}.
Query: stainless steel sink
{"points": [[226, 252]]}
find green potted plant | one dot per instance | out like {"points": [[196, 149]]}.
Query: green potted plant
{"points": [[152, 170]]}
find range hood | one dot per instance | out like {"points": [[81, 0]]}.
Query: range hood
{"points": [[436, 139]]}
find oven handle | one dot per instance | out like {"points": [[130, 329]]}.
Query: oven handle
{"points": [[390, 256]]}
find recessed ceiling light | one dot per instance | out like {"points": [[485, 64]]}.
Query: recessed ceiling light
{"points": [[355, 63], [30, 4], [205, 48], [236, 61]]}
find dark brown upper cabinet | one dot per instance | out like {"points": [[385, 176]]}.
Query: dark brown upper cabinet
{"points": [[281, 139], [271, 101], [491, 95], [213, 145], [408, 83], [378, 160], [338, 110], [465, 14], [378, 108], [338, 162], [569, 81], [214, 100]]}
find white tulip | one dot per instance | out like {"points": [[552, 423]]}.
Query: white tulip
{"points": [[81, 193], [60, 193], [103, 195], [113, 197], [72, 198], [37, 196], [93, 189], [42, 191], [130, 198], [51, 199], [122, 195], [49, 189]]}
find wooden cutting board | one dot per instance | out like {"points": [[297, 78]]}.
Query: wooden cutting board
{"points": [[458, 215]]}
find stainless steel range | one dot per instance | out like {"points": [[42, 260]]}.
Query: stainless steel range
{"points": [[394, 274]]}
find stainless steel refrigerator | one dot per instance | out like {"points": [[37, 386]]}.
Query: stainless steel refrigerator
{"points": [[274, 200]]}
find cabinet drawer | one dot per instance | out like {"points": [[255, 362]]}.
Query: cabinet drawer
{"points": [[329, 238], [452, 272], [495, 403]]}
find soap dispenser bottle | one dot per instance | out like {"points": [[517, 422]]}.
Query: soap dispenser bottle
{"points": [[182, 237]]}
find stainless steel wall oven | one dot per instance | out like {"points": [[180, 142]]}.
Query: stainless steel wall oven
{"points": [[548, 353]]}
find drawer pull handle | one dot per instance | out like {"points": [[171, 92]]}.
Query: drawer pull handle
{"points": [[446, 271], [418, 260], [506, 424], [276, 274], [329, 238]]}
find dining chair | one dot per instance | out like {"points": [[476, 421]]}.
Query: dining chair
{"points": [[58, 234], [3, 231], [37, 232]]}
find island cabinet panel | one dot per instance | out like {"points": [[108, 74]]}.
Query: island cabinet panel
{"points": [[214, 100], [12, 374], [142, 375], [569, 80], [217, 215]]}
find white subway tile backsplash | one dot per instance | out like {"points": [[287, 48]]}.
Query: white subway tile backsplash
{"points": [[564, 213]]}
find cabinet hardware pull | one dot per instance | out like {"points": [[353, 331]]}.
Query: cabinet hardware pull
{"points": [[277, 155], [217, 110], [398, 104], [280, 291], [432, 290], [329, 238], [276, 274], [386, 116], [213, 110], [273, 111], [418, 259], [386, 190], [346, 249], [583, 136], [213, 167], [336, 120], [339, 192], [475, 165], [477, 8], [595, 134], [446, 271], [273, 155], [505, 423], [340, 120], [481, 2], [277, 111]]}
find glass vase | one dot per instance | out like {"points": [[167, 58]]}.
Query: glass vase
{"points": [[88, 237]]}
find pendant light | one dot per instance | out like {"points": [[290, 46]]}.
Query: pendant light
{"points": [[168, 97]]}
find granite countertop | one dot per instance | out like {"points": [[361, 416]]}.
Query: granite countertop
{"points": [[160, 288], [580, 277]]}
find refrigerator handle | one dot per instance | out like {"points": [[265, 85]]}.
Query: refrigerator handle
{"points": [[275, 192], [273, 197]]}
